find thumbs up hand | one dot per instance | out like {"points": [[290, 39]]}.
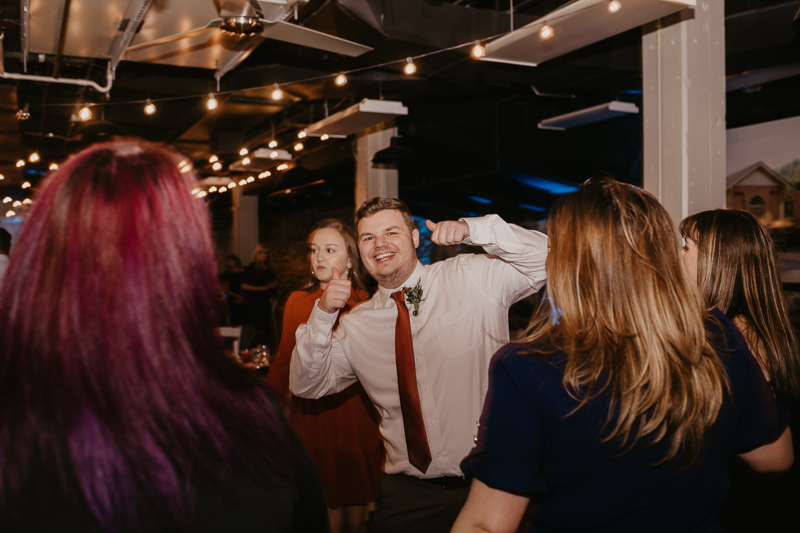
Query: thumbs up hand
{"points": [[335, 294], [448, 231]]}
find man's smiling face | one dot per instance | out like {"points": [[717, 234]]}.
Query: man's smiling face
{"points": [[388, 247]]}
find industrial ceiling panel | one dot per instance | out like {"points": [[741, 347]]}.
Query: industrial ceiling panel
{"points": [[174, 17], [92, 26], [208, 49], [574, 26]]}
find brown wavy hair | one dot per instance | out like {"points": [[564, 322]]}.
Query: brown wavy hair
{"points": [[738, 272], [351, 246], [631, 322], [374, 205]]}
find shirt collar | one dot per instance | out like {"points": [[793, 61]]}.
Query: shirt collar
{"points": [[418, 274]]}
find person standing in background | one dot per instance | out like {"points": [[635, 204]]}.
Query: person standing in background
{"points": [[231, 280], [5, 249], [340, 430], [258, 284]]}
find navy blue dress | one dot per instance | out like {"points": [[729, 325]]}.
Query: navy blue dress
{"points": [[526, 445]]}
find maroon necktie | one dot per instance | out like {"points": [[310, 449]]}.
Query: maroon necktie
{"points": [[419, 453]]}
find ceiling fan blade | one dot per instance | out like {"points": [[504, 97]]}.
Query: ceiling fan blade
{"points": [[292, 33], [177, 36]]}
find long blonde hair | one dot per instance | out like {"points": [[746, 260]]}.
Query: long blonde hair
{"points": [[738, 272], [630, 321]]}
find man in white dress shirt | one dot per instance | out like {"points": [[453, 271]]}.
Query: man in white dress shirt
{"points": [[462, 320]]}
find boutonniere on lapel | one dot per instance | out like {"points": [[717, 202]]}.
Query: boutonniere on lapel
{"points": [[414, 296]]}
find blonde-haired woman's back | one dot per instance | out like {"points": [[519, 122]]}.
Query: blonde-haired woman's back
{"points": [[620, 410]]}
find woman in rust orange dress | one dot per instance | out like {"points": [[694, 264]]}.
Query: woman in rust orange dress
{"points": [[340, 431]]}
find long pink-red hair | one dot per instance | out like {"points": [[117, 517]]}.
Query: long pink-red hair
{"points": [[112, 379]]}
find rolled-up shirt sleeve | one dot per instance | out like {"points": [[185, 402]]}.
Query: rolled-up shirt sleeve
{"points": [[319, 365], [510, 440]]}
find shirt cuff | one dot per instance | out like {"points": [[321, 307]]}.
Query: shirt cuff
{"points": [[320, 318], [479, 230]]}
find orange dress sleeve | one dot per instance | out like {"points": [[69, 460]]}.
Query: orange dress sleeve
{"points": [[278, 376]]}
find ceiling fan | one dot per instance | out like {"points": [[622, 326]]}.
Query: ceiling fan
{"points": [[250, 19]]}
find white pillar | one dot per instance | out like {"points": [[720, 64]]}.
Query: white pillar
{"points": [[372, 182], [245, 224], [683, 68]]}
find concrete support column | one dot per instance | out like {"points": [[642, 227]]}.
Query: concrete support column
{"points": [[371, 182], [245, 224], [684, 111]]}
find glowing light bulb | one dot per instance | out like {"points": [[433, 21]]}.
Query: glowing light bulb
{"points": [[217, 166], [85, 113], [2, 177], [298, 147], [302, 134], [410, 68], [478, 51], [149, 107], [34, 157], [211, 103], [232, 185], [26, 185], [7, 199], [195, 190], [243, 151], [223, 189], [284, 166], [250, 179], [242, 182], [213, 159], [212, 189], [27, 201], [273, 155], [264, 174], [10, 213], [614, 6], [273, 143], [17, 203], [324, 137], [184, 166], [277, 94], [20, 163], [246, 161], [202, 194], [341, 80], [546, 32], [53, 166]]}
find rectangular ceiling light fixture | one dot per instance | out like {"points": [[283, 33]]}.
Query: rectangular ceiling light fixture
{"points": [[576, 25], [587, 116], [261, 159], [358, 117]]}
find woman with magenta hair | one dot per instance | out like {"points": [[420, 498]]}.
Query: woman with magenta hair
{"points": [[119, 409], [619, 410], [341, 430]]}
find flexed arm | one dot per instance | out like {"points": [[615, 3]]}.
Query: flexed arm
{"points": [[523, 253]]}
